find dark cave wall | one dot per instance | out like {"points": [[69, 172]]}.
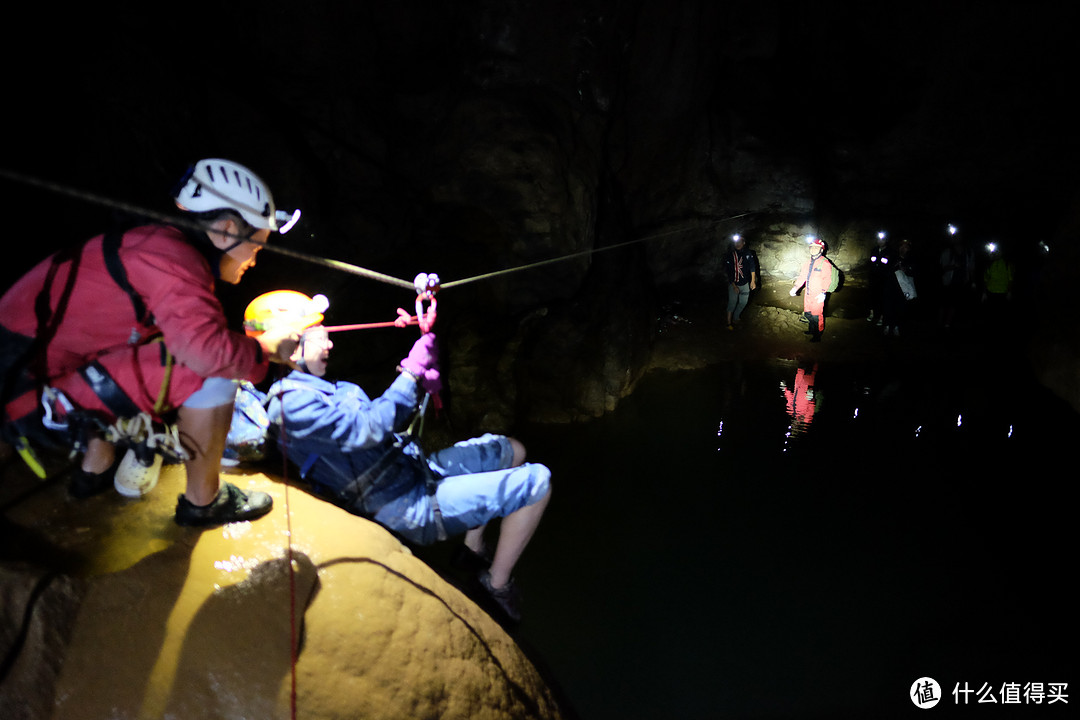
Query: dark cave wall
{"points": [[1054, 348], [463, 138]]}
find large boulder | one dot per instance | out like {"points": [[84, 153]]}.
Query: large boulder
{"points": [[143, 618]]}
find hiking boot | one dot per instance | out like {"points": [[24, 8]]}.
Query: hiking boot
{"points": [[231, 505], [507, 597], [87, 484]]}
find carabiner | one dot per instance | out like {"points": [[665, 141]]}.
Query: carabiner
{"points": [[426, 285]]}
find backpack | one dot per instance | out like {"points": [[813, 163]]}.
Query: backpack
{"points": [[835, 276]]}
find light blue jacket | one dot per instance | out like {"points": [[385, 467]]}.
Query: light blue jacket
{"points": [[349, 446]]}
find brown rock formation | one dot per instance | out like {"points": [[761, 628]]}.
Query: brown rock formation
{"points": [[147, 619]]}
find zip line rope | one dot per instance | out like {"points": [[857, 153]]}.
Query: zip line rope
{"points": [[338, 264]]}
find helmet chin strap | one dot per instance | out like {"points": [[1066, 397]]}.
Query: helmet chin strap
{"points": [[240, 241], [302, 363], [212, 252]]}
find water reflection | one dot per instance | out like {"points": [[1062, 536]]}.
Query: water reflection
{"points": [[861, 538], [801, 399], [893, 404]]}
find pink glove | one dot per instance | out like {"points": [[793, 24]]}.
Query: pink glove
{"points": [[423, 362]]}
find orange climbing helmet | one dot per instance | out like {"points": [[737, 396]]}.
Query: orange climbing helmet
{"points": [[278, 306]]}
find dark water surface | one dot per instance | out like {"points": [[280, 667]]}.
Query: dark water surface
{"points": [[706, 554]]}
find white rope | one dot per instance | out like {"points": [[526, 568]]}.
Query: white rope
{"points": [[338, 264]]}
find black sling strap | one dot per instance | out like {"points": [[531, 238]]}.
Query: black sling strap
{"points": [[107, 389], [32, 357], [110, 246], [49, 319]]}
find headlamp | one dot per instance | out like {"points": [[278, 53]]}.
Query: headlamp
{"points": [[285, 221]]}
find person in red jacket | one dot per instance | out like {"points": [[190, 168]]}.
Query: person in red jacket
{"points": [[820, 278], [127, 323]]}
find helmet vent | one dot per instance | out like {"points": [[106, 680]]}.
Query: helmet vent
{"points": [[216, 184]]}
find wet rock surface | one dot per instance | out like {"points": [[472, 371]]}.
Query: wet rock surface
{"points": [[140, 618]]}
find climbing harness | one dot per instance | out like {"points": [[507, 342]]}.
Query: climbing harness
{"points": [[148, 437]]}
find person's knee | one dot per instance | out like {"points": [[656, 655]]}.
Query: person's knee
{"points": [[519, 452], [211, 415], [542, 488], [547, 493], [214, 393], [204, 430]]}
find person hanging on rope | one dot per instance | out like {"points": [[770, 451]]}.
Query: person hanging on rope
{"points": [[361, 454], [127, 323], [820, 277]]}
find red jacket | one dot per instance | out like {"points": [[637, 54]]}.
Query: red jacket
{"points": [[176, 284], [817, 273]]}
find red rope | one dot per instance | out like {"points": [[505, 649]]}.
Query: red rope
{"points": [[404, 319], [425, 319], [289, 558]]}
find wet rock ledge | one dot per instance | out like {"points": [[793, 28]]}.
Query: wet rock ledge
{"points": [[109, 609]]}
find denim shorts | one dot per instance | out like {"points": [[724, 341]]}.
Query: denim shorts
{"points": [[478, 484]]}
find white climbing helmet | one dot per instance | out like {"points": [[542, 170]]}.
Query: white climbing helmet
{"points": [[217, 184]]}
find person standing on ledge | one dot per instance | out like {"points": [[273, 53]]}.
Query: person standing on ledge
{"points": [[741, 269], [127, 324], [820, 277]]}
